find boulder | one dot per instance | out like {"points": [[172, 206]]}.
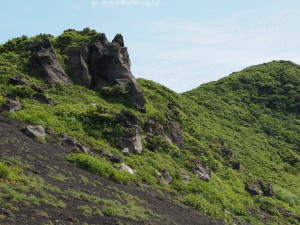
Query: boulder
{"points": [[185, 176], [164, 177], [41, 98], [105, 64], [127, 169], [18, 80], [202, 171], [35, 131], [11, 105], [49, 66]]}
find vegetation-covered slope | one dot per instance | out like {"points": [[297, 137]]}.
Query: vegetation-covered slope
{"points": [[244, 127]]}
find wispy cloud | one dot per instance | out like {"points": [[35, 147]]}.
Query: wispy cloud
{"points": [[111, 3]]}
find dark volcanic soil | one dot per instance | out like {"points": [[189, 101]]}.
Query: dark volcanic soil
{"points": [[43, 157]]}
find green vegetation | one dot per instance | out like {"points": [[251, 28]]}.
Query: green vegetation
{"points": [[254, 113]]}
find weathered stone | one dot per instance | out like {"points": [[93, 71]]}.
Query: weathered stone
{"points": [[119, 39], [35, 131], [11, 106], [84, 149], [41, 98], [127, 169], [202, 171], [164, 177], [49, 66], [126, 151], [114, 158], [18, 80], [156, 128], [71, 142], [185, 176], [175, 135], [131, 141], [254, 190]]}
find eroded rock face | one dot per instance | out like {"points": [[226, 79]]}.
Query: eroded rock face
{"points": [[156, 128], [131, 141], [49, 66], [105, 64]]}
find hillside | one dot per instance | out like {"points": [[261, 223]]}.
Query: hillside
{"points": [[229, 148]]}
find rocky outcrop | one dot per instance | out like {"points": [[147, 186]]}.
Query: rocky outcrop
{"points": [[202, 171], [35, 131], [131, 141], [11, 105], [175, 135], [71, 142], [49, 67], [105, 64], [156, 128], [257, 187]]}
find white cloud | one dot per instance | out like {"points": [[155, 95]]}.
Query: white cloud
{"points": [[111, 3]]}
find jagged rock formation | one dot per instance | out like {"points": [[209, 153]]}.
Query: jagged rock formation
{"points": [[49, 66], [103, 64]]}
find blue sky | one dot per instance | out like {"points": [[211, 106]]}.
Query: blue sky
{"points": [[180, 44]]}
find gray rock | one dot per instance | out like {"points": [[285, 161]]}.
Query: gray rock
{"points": [[35, 131], [127, 169], [84, 149], [156, 128], [41, 98], [71, 142], [11, 106], [164, 177], [49, 66], [202, 171], [131, 141], [185, 176], [175, 135], [105, 64]]}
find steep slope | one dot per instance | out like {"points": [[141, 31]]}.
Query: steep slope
{"points": [[228, 148]]}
